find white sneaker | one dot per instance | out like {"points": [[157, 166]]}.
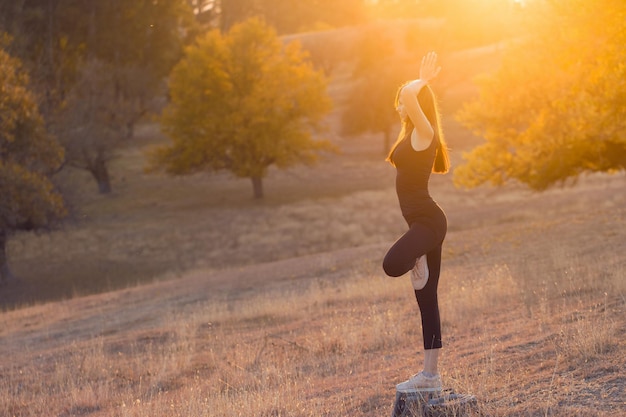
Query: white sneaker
{"points": [[420, 383], [419, 273]]}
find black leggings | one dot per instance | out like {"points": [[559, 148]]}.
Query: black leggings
{"points": [[417, 241]]}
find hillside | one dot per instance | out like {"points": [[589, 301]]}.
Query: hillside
{"points": [[185, 297], [533, 305]]}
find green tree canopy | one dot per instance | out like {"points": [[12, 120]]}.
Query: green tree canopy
{"points": [[242, 102], [28, 156], [134, 44], [557, 106], [54, 38]]}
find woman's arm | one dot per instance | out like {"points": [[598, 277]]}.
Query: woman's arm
{"points": [[424, 132]]}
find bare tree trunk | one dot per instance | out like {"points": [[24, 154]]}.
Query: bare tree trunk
{"points": [[100, 172], [5, 272], [257, 186]]}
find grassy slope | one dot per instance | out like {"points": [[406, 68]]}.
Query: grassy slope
{"points": [[280, 308], [533, 307]]}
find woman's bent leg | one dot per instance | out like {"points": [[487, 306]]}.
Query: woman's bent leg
{"points": [[401, 258]]}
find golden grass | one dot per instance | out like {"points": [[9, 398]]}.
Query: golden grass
{"points": [[330, 345], [533, 314]]}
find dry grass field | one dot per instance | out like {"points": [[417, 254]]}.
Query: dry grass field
{"points": [[218, 305], [533, 305]]}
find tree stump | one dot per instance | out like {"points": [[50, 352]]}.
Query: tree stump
{"points": [[433, 404]]}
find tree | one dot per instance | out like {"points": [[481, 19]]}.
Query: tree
{"points": [[96, 115], [286, 16], [54, 38], [28, 156], [557, 106], [369, 106], [291, 16], [124, 48], [242, 102], [206, 12]]}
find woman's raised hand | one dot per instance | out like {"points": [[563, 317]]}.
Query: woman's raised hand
{"points": [[429, 68]]}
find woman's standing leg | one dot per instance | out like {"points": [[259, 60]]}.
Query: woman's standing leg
{"points": [[401, 258], [418, 241], [429, 309], [428, 379]]}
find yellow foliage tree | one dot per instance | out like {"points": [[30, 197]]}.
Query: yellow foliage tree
{"points": [[242, 102], [28, 156], [557, 106]]}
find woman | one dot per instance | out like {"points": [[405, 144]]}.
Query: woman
{"points": [[420, 150]]}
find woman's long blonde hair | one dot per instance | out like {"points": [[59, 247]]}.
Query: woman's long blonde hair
{"points": [[428, 103]]}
